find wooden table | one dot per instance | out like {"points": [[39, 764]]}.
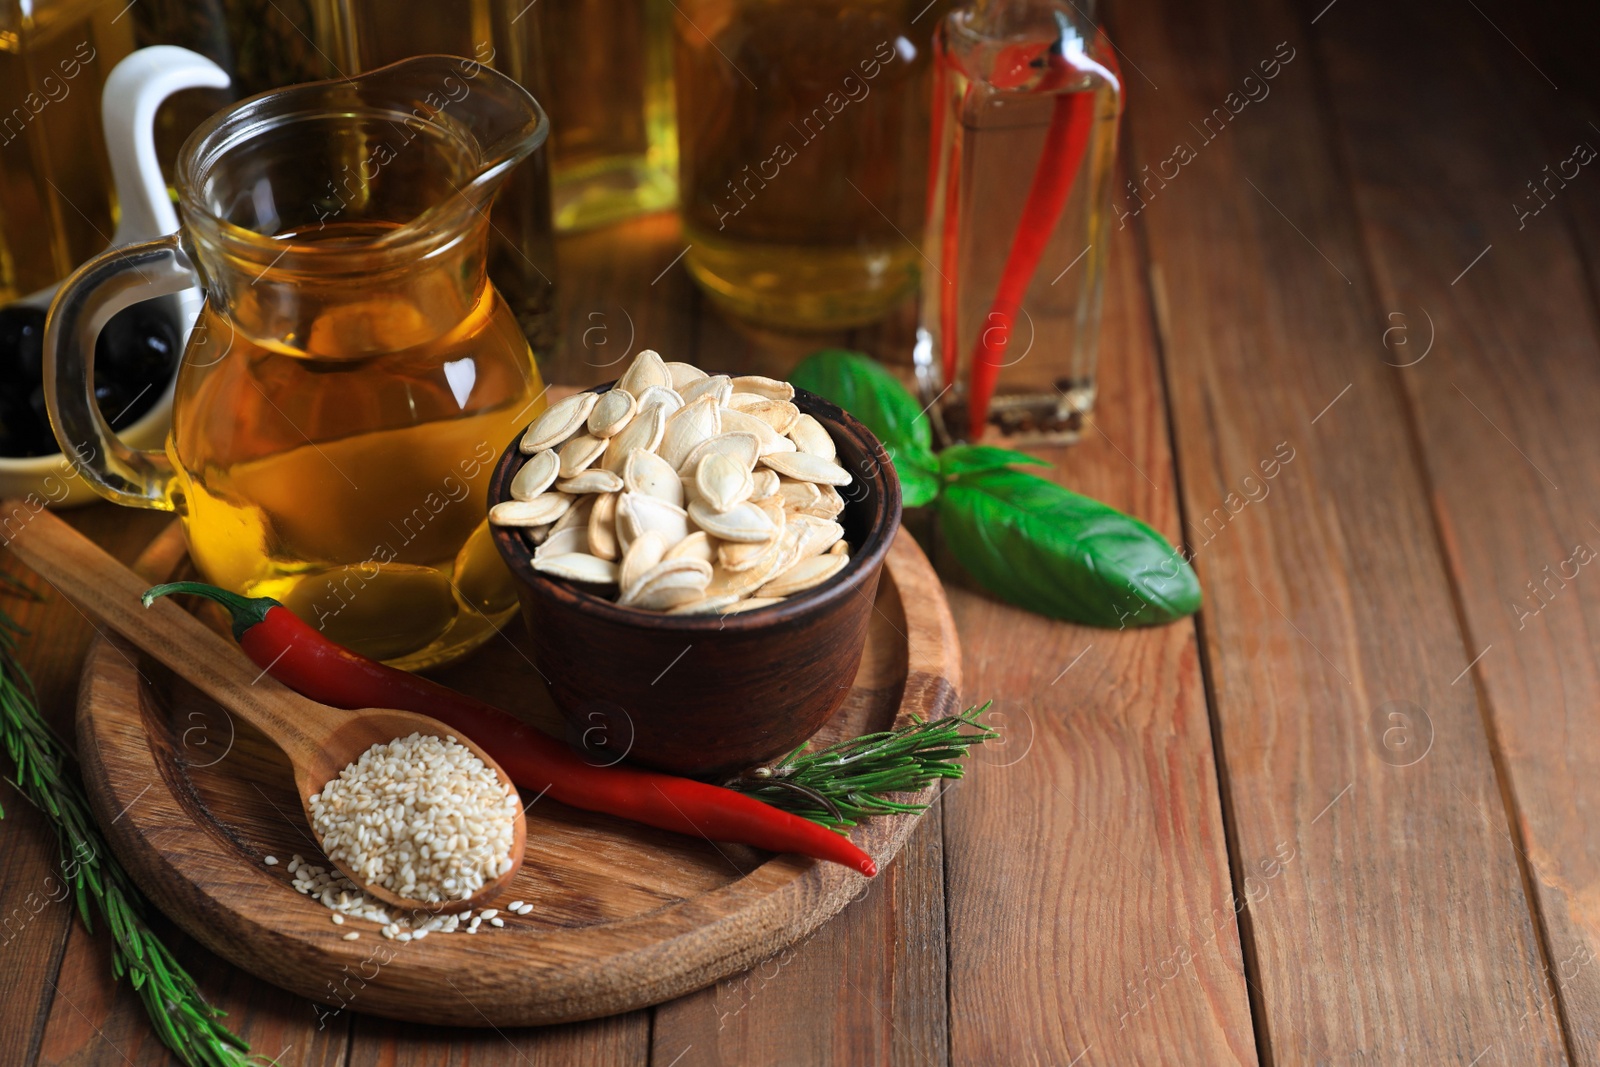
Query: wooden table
{"points": [[1347, 813]]}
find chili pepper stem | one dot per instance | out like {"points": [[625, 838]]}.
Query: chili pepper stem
{"points": [[246, 611]]}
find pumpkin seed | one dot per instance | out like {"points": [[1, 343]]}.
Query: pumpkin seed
{"points": [[724, 581], [811, 437], [612, 412], [840, 548], [740, 445], [580, 452], [559, 422], [830, 504], [768, 387], [684, 373], [646, 370], [578, 567], [795, 494], [644, 432], [717, 385], [769, 438], [538, 534], [778, 414], [542, 509], [816, 535], [774, 509], [708, 605], [722, 481], [688, 426], [807, 574], [601, 481], [697, 545], [669, 584], [577, 515], [766, 484], [744, 522], [638, 513], [667, 593], [645, 552], [661, 396], [736, 556], [648, 473], [789, 548], [805, 467], [602, 526], [572, 539], [535, 476]]}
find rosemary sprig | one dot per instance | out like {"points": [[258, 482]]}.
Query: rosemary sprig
{"points": [[183, 1020], [840, 785]]}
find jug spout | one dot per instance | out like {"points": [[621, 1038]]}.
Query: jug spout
{"points": [[481, 107]]}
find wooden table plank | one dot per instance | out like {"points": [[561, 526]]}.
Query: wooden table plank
{"points": [[1442, 144], [866, 987], [1090, 904], [94, 1021], [1328, 597], [30, 884], [620, 1040]]}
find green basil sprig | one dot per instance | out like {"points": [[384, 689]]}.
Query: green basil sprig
{"points": [[864, 388], [1025, 539]]}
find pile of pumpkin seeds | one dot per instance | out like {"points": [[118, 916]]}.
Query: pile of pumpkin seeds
{"points": [[682, 491]]}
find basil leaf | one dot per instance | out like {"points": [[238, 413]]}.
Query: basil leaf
{"points": [[964, 459], [866, 389], [918, 485], [1059, 553]]}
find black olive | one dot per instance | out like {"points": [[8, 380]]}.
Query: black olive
{"points": [[134, 358]]}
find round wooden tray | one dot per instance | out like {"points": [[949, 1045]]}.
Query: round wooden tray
{"points": [[624, 915]]}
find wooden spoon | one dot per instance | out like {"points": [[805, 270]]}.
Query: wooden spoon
{"points": [[320, 741]]}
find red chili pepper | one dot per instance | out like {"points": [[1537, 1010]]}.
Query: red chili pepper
{"points": [[294, 653], [1066, 140]]}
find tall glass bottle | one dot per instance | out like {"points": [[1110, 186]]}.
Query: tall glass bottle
{"points": [[800, 122], [1026, 102], [613, 137], [266, 44], [56, 195]]}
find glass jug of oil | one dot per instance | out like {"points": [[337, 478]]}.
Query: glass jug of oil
{"points": [[353, 374]]}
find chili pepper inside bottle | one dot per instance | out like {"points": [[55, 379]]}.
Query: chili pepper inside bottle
{"points": [[1025, 107]]}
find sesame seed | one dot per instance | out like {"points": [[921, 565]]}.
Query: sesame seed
{"points": [[497, 922], [338, 920], [271, 861], [351, 936], [421, 816]]}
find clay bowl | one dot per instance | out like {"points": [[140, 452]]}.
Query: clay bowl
{"points": [[710, 695]]}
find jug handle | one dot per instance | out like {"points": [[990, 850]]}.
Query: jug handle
{"points": [[111, 281]]}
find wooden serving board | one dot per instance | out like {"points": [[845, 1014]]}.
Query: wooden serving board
{"points": [[624, 915]]}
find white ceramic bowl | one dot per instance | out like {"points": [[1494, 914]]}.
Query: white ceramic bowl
{"points": [[58, 482]]}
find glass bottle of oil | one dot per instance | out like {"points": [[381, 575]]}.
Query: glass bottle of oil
{"points": [[613, 136], [56, 196], [1026, 102], [262, 44], [801, 131]]}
